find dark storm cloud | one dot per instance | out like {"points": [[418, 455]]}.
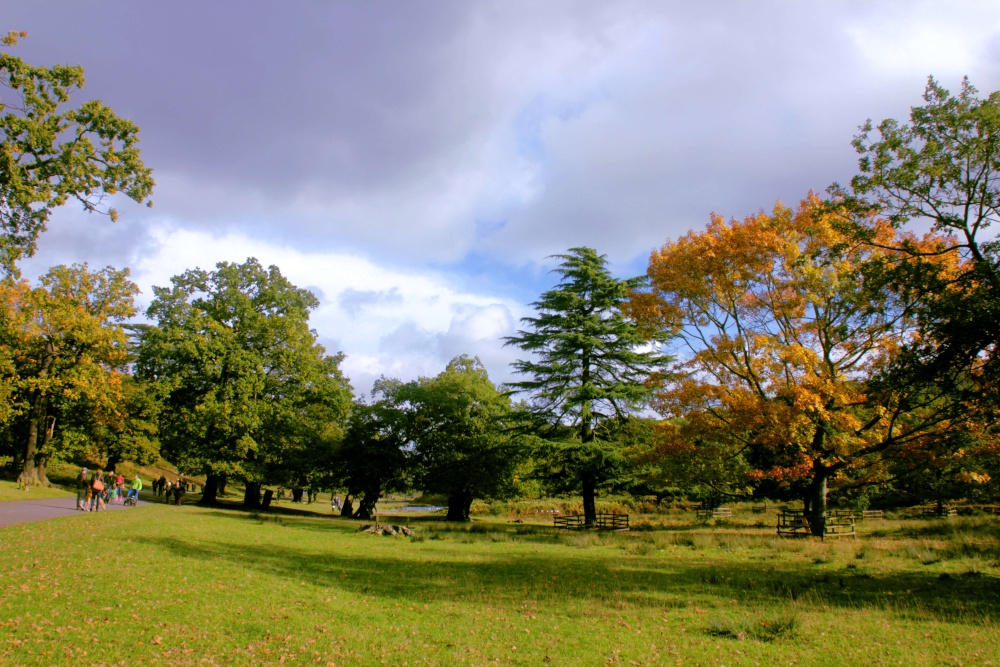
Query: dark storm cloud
{"points": [[477, 138], [513, 129], [246, 90]]}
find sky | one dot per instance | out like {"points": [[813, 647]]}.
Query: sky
{"points": [[416, 164]]}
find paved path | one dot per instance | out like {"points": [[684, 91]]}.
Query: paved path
{"points": [[23, 511]]}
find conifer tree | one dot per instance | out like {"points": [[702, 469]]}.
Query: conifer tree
{"points": [[590, 363]]}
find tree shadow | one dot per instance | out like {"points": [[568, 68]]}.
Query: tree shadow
{"points": [[425, 578]]}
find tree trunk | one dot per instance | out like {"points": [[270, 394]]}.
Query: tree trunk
{"points": [[222, 486], [589, 501], [36, 415], [347, 509], [30, 474], [816, 505], [297, 495], [459, 506], [209, 494], [251, 497], [367, 506]]}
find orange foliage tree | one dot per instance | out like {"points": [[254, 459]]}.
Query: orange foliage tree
{"points": [[779, 336]]}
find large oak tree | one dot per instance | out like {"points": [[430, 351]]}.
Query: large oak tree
{"points": [[247, 388], [64, 353], [464, 445], [782, 339]]}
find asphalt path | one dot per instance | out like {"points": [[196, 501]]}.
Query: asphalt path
{"points": [[23, 511]]}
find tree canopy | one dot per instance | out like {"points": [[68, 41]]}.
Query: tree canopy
{"points": [[464, 446], [781, 340], [50, 154], [64, 349], [246, 384], [942, 170]]}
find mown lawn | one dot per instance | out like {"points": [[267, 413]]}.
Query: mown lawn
{"points": [[182, 586]]}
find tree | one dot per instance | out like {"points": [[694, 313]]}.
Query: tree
{"points": [[464, 448], [67, 356], [781, 339], [940, 170], [49, 155], [590, 363], [243, 375], [375, 457]]}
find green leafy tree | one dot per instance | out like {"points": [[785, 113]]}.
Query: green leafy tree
{"points": [[50, 154], [375, 458], [589, 363], [940, 170], [246, 387], [135, 436], [464, 445]]}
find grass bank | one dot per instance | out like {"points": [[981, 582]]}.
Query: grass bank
{"points": [[182, 586], [9, 492]]}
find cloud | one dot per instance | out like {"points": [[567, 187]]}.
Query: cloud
{"points": [[353, 301], [415, 163], [386, 320]]}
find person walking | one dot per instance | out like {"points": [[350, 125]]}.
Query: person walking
{"points": [[97, 488], [81, 489]]}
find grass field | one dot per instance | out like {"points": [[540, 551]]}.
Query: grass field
{"points": [[9, 491], [183, 586]]}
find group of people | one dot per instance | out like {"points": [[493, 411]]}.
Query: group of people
{"points": [[171, 491], [95, 491]]}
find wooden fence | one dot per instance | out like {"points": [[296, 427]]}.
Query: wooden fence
{"points": [[605, 521], [705, 513], [795, 523]]}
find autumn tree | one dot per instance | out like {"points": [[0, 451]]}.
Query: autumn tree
{"points": [[51, 154], [588, 363], [461, 428], [246, 386], [66, 353], [780, 339]]}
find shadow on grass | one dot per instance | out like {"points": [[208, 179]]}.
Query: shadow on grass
{"points": [[417, 575]]}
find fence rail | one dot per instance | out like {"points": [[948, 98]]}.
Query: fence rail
{"points": [[604, 521], [795, 523]]}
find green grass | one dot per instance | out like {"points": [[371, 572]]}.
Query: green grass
{"points": [[188, 586], [10, 492]]}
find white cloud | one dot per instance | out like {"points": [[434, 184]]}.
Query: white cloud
{"points": [[928, 38], [388, 321]]}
